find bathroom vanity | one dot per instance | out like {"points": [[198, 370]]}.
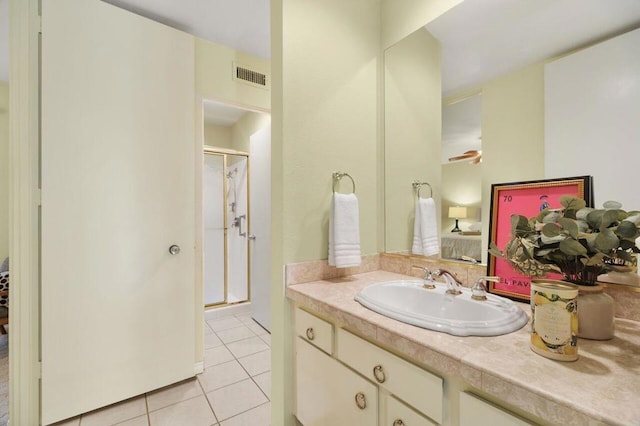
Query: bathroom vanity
{"points": [[354, 366]]}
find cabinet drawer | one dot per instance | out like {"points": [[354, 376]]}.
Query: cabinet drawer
{"points": [[329, 394], [314, 330], [399, 414], [476, 412], [417, 387]]}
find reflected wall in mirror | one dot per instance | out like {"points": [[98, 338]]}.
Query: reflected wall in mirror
{"points": [[488, 57], [412, 132], [462, 177]]}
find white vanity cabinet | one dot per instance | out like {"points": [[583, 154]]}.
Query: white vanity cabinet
{"points": [[327, 392], [361, 384], [477, 412], [408, 382]]}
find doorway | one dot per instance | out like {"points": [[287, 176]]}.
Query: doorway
{"points": [[236, 208]]}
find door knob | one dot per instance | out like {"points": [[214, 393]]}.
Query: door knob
{"points": [[174, 249], [251, 237]]}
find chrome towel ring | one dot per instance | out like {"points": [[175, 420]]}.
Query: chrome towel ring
{"points": [[337, 176], [417, 185]]}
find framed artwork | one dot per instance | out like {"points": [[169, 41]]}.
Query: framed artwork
{"points": [[526, 199]]}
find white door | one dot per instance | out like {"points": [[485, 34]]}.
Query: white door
{"points": [[118, 181], [260, 247]]}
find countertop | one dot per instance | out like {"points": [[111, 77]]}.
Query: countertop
{"points": [[601, 387]]}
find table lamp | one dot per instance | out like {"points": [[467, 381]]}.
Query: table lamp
{"points": [[457, 213]]}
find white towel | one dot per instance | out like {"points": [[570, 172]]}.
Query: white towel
{"points": [[344, 231], [425, 228]]}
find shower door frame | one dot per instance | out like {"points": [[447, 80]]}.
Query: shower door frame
{"points": [[224, 152]]}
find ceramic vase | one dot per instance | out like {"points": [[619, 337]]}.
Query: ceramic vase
{"points": [[595, 313]]}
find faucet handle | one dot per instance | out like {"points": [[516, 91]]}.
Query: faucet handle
{"points": [[428, 277], [479, 289]]}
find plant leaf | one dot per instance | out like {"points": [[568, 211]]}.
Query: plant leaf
{"points": [[570, 202], [570, 226], [551, 230], [612, 205], [608, 218], [494, 250], [582, 213], [572, 248], [606, 241], [596, 259], [626, 229], [519, 225], [594, 218]]}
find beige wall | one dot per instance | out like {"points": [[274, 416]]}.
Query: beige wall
{"points": [[241, 132], [214, 76], [325, 119], [330, 118], [217, 136], [4, 171], [461, 186], [512, 132], [236, 136]]}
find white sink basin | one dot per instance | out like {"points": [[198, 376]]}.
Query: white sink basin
{"points": [[409, 302]]}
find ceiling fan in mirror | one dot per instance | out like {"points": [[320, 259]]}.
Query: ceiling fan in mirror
{"points": [[474, 156]]}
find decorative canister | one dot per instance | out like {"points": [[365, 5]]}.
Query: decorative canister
{"points": [[554, 319]]}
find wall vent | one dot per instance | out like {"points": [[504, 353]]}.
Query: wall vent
{"points": [[246, 75]]}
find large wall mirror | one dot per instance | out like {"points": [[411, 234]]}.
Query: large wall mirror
{"points": [[480, 64]]}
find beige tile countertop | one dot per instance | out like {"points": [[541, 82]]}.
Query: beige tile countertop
{"points": [[602, 387]]}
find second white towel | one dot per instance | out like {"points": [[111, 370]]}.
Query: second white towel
{"points": [[344, 231], [425, 228]]}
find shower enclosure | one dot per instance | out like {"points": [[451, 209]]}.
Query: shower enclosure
{"points": [[226, 210]]}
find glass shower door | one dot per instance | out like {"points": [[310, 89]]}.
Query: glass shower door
{"points": [[226, 210], [214, 229]]}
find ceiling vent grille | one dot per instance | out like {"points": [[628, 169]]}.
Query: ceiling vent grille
{"points": [[249, 76]]}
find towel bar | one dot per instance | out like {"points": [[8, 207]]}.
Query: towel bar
{"points": [[417, 185], [339, 175]]}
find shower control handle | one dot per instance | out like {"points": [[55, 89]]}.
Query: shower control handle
{"points": [[174, 249]]}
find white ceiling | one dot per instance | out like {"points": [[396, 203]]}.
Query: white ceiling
{"points": [[461, 127], [241, 24], [482, 40], [221, 114]]}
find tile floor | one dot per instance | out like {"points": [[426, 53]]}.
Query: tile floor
{"points": [[233, 390]]}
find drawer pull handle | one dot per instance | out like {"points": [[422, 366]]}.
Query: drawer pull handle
{"points": [[398, 422], [361, 401], [310, 334], [378, 373]]}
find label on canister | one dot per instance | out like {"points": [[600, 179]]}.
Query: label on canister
{"points": [[554, 319]]}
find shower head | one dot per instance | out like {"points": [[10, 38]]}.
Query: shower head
{"points": [[231, 173]]}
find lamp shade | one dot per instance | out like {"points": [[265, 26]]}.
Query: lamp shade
{"points": [[457, 212]]}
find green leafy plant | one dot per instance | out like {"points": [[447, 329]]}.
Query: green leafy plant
{"points": [[577, 241]]}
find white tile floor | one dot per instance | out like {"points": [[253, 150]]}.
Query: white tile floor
{"points": [[233, 390]]}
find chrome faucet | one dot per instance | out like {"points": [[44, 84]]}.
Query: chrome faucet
{"points": [[428, 277], [479, 289], [453, 283]]}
